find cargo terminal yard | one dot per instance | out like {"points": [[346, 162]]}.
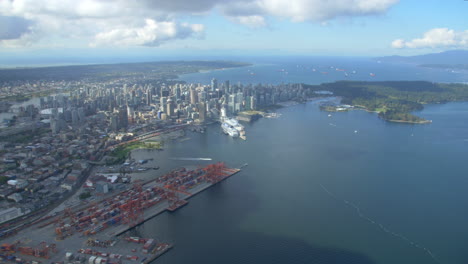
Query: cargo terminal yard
{"points": [[95, 233]]}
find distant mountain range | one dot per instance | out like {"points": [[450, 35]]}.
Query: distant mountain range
{"points": [[447, 59]]}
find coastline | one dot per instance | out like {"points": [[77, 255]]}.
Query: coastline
{"points": [[358, 107], [410, 122], [217, 69]]}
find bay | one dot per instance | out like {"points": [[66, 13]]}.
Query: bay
{"points": [[349, 188], [290, 69], [320, 193]]}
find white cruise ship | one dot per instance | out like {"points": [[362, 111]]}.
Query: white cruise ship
{"points": [[234, 123], [230, 130]]}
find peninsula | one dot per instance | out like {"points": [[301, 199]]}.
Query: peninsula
{"points": [[394, 101]]}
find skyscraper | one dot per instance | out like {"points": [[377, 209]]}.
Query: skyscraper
{"points": [[253, 103], [214, 84], [123, 117], [193, 96], [177, 92], [149, 97], [227, 86], [202, 111], [170, 108], [130, 114]]}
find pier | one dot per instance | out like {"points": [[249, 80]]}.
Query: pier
{"points": [[96, 232]]}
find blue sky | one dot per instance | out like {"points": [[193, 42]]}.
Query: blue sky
{"points": [[47, 29]]}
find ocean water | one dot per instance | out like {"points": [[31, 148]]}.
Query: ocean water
{"points": [[327, 69], [317, 191], [349, 188]]}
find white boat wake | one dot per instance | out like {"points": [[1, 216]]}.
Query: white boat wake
{"points": [[191, 159], [380, 226]]}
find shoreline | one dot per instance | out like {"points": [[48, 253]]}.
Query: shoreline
{"points": [[362, 108], [410, 122]]}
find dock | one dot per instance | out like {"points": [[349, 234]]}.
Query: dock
{"points": [[95, 232]]}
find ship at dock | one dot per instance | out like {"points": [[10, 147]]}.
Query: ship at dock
{"points": [[233, 128], [234, 123], [229, 130]]}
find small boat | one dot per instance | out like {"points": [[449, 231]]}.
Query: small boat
{"points": [[372, 74]]}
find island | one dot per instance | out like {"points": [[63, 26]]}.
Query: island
{"points": [[447, 60], [394, 101], [463, 67]]}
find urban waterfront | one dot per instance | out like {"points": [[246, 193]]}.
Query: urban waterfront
{"points": [[320, 187], [317, 191]]}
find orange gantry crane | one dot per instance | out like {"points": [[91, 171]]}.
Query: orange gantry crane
{"points": [[132, 210], [215, 172], [42, 251]]}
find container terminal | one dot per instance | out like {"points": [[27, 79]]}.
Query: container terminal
{"points": [[94, 233]]}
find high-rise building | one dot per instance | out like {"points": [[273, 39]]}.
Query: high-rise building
{"points": [[214, 84], [202, 96], [177, 92], [193, 96], [164, 92], [202, 111], [253, 103], [114, 122], [130, 114], [170, 108], [149, 98], [123, 117], [162, 103]]}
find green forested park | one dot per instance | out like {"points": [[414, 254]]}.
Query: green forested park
{"points": [[394, 100]]}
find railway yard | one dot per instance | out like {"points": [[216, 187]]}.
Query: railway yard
{"points": [[94, 233]]}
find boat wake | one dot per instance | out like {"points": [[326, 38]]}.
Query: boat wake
{"points": [[380, 226], [191, 159]]}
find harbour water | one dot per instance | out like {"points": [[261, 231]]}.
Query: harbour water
{"points": [[349, 188], [316, 70], [317, 191]]}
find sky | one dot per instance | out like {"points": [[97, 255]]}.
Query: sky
{"points": [[56, 29]]}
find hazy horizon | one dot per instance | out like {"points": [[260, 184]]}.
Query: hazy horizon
{"points": [[61, 31]]}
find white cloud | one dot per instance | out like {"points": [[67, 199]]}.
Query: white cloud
{"points": [[398, 43], [97, 21], [304, 10], [436, 38], [254, 21], [153, 33], [320, 10]]}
